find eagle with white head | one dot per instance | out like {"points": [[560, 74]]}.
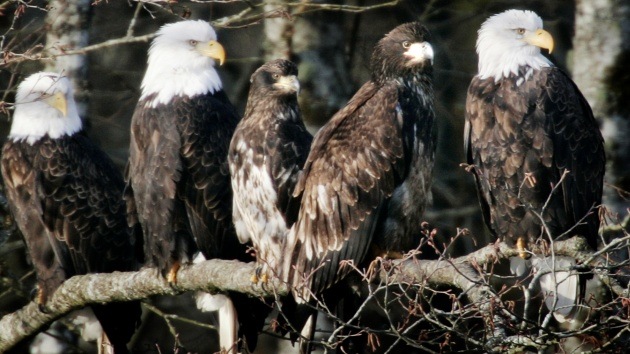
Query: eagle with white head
{"points": [[535, 150], [178, 172], [66, 197]]}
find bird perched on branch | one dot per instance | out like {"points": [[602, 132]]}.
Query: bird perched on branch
{"points": [[67, 199], [535, 150], [178, 170], [267, 152], [368, 175]]}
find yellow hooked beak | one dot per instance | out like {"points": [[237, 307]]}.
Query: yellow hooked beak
{"points": [[289, 83], [542, 39], [58, 101], [212, 49]]}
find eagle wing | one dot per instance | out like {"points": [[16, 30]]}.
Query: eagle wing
{"points": [[578, 147], [153, 170], [206, 191], [350, 171], [21, 181], [474, 108], [67, 199], [81, 197], [288, 155]]}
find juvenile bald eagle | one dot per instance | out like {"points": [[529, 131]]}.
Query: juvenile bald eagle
{"points": [[67, 199], [178, 169], [267, 152], [368, 175], [526, 125]]}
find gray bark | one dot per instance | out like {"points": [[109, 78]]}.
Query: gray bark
{"points": [[317, 41], [326, 85], [601, 53], [67, 24], [278, 29], [221, 275]]}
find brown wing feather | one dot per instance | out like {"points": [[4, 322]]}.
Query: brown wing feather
{"points": [[578, 146], [21, 181], [205, 188], [66, 196], [347, 177], [152, 174]]}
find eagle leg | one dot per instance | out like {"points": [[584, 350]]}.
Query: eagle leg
{"points": [[42, 299], [521, 246], [171, 277], [260, 275]]}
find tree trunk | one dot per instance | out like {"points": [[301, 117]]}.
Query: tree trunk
{"points": [[67, 28], [600, 56], [316, 42]]}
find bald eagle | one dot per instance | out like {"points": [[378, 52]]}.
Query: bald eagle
{"points": [[534, 147], [67, 199], [267, 152], [367, 177], [178, 170]]}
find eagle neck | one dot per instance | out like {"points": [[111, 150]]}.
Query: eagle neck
{"points": [[285, 106], [419, 85], [516, 63], [165, 81]]}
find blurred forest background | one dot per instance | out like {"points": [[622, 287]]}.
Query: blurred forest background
{"points": [[103, 46]]}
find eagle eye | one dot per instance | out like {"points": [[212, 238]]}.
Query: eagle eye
{"points": [[193, 42], [275, 76], [406, 44], [520, 30]]}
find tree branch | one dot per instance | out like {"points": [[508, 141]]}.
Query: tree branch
{"points": [[222, 275]]}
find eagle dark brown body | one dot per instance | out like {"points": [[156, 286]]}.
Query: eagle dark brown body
{"points": [[521, 137], [66, 196], [368, 175], [180, 178]]}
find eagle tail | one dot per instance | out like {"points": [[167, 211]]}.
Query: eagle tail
{"points": [[119, 321], [308, 333], [228, 327], [299, 320], [563, 290]]}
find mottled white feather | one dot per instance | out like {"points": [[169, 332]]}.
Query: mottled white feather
{"points": [[502, 51], [255, 211], [176, 67], [34, 118]]}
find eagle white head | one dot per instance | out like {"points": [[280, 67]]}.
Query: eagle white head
{"points": [[181, 62], [44, 105], [510, 40]]}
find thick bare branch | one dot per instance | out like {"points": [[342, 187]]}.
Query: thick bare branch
{"points": [[221, 275]]}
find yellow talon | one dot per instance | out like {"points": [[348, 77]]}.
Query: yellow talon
{"points": [[254, 279], [171, 278], [521, 246], [264, 278]]}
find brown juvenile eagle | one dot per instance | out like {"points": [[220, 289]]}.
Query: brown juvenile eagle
{"points": [[368, 175], [527, 124], [178, 170], [67, 199], [267, 152]]}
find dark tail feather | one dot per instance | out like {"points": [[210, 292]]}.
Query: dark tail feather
{"points": [[252, 313], [299, 321], [119, 321]]}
